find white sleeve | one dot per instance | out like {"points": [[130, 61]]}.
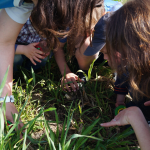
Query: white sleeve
{"points": [[20, 14]]}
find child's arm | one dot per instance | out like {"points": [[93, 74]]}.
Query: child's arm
{"points": [[84, 61], [120, 100], [64, 69], [31, 52], [121, 89], [135, 117]]}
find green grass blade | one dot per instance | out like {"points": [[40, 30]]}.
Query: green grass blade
{"points": [[24, 141], [85, 132], [60, 147], [63, 131], [50, 109], [90, 69], [68, 125], [1, 125], [3, 81], [50, 142], [33, 76], [74, 136]]}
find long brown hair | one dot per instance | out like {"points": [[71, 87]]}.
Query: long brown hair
{"points": [[65, 18], [128, 32]]}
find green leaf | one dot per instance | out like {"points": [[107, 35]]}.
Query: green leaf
{"points": [[30, 80], [90, 69], [50, 109], [50, 142], [33, 75], [31, 125], [24, 141], [25, 77], [68, 125], [87, 79], [11, 130], [3, 81], [79, 136], [1, 124]]}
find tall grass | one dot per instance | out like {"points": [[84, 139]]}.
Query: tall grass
{"points": [[87, 135]]}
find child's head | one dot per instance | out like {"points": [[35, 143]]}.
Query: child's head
{"points": [[107, 57], [98, 12], [53, 17], [128, 33]]}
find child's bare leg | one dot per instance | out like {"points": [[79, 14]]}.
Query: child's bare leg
{"points": [[7, 51]]}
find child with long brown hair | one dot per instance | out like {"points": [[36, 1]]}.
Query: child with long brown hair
{"points": [[85, 52], [128, 53], [51, 18]]}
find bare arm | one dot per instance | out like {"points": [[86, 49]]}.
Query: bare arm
{"points": [[64, 69], [60, 59], [141, 129], [83, 60], [120, 100], [135, 117]]}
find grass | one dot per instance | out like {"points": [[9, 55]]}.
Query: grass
{"points": [[56, 123], [53, 122]]}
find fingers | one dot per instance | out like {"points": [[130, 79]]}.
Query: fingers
{"points": [[19, 127], [39, 53], [47, 53], [74, 85], [147, 103], [33, 62], [64, 84], [113, 122], [39, 56], [34, 44], [36, 59]]}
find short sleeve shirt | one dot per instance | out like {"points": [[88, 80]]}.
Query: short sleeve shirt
{"points": [[29, 35], [20, 14]]}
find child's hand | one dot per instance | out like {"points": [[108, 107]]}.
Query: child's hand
{"points": [[11, 109], [147, 103], [72, 79], [125, 117], [121, 119], [34, 54]]}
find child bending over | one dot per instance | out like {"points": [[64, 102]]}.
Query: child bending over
{"points": [[84, 53], [26, 48], [128, 53], [48, 18]]}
